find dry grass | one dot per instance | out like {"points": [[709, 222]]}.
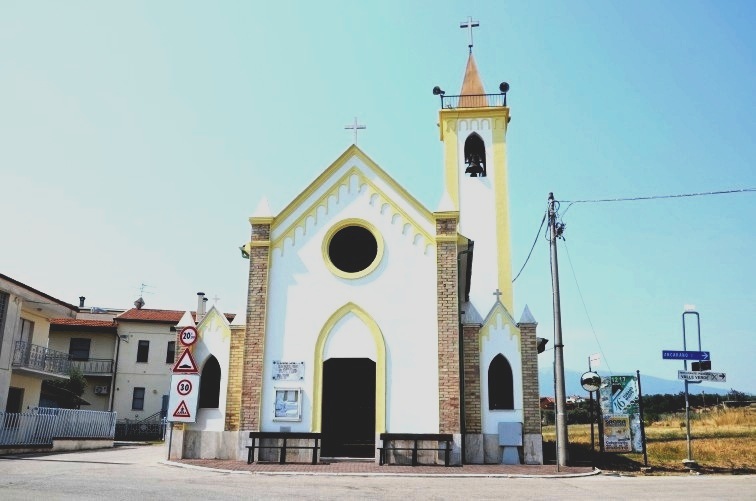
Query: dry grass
{"points": [[722, 441]]}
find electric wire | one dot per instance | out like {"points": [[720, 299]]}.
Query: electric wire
{"points": [[531, 247], [656, 197], [585, 308]]}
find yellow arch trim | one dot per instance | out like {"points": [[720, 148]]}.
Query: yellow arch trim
{"points": [[380, 366]]}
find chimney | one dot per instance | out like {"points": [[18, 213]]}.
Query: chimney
{"points": [[200, 306], [81, 301], [204, 306]]}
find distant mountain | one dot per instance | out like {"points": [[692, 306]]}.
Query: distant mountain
{"points": [[650, 385]]}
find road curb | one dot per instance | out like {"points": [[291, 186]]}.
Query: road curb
{"points": [[370, 474]]}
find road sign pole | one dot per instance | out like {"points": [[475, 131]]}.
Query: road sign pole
{"points": [[689, 462]]}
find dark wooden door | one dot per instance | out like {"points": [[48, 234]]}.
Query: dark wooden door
{"points": [[348, 412]]}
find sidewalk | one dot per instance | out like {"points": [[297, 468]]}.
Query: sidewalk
{"points": [[359, 468]]}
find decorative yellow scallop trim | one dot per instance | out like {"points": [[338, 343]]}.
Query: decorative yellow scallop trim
{"points": [[499, 316], [380, 366], [353, 150], [377, 198], [343, 224]]}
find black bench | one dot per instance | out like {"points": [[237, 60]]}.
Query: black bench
{"points": [[387, 438], [284, 436]]}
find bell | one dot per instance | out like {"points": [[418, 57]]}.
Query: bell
{"points": [[474, 168]]}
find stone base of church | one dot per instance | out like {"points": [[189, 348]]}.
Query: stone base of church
{"points": [[190, 444], [533, 448], [483, 448]]}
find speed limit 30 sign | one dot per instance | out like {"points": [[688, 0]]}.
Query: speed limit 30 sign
{"points": [[182, 403]]}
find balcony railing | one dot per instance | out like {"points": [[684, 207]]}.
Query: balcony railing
{"points": [[94, 365], [39, 358], [473, 101]]}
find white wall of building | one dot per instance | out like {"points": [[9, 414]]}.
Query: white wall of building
{"points": [[500, 337], [154, 375], [399, 296]]}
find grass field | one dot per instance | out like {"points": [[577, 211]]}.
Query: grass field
{"points": [[723, 441]]}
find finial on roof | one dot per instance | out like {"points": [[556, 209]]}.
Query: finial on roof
{"points": [[263, 209], [446, 204], [527, 317]]}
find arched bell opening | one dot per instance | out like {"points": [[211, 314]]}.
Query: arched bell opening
{"points": [[475, 156]]}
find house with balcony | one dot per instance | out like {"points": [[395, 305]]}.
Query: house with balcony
{"points": [[26, 359], [91, 347]]}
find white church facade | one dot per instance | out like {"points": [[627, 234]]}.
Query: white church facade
{"points": [[368, 313]]}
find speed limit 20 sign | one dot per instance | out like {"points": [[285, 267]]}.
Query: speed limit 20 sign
{"points": [[188, 336]]}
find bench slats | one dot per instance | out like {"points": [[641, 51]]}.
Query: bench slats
{"points": [[387, 438], [282, 435]]}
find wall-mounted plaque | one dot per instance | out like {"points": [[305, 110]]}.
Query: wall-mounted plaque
{"points": [[288, 371]]}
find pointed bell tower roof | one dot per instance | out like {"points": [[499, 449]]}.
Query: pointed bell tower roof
{"points": [[471, 95], [471, 85]]}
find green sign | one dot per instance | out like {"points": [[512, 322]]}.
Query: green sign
{"points": [[618, 398]]}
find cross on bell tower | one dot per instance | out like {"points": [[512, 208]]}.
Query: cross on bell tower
{"points": [[469, 24]]}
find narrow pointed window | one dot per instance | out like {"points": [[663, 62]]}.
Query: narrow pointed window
{"points": [[209, 391], [500, 384], [475, 156]]}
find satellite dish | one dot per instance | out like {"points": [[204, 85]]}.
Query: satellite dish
{"points": [[504, 87], [590, 381], [437, 91]]}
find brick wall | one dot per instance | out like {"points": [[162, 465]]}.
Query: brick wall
{"points": [[235, 368], [530, 396], [448, 323], [257, 297], [471, 346]]}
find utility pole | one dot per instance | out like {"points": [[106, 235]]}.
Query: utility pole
{"points": [[555, 231]]}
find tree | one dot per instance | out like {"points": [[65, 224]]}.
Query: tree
{"points": [[69, 390]]}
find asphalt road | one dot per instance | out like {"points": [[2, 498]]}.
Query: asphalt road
{"points": [[135, 473]]}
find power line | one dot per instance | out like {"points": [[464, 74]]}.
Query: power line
{"points": [[657, 197], [531, 247], [585, 308]]}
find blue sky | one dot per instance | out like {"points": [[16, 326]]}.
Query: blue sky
{"points": [[137, 137]]}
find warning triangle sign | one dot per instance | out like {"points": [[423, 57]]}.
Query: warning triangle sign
{"points": [[185, 364], [182, 411]]}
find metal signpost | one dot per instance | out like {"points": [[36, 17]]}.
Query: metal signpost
{"points": [[689, 462]]}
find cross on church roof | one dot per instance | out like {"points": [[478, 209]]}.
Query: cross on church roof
{"points": [[469, 24], [215, 299], [355, 126], [498, 294]]}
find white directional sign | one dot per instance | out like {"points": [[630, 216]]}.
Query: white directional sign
{"points": [[717, 377], [182, 403]]}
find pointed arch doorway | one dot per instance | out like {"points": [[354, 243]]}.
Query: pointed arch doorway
{"points": [[349, 391], [348, 419]]}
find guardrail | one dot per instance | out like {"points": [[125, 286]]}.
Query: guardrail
{"points": [[474, 101], [43, 424]]}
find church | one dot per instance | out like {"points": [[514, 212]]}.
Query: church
{"points": [[368, 313]]}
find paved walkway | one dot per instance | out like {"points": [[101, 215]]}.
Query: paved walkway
{"points": [[359, 468]]}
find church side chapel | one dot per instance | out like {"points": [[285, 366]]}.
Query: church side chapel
{"points": [[368, 313]]}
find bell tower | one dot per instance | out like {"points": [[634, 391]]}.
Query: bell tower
{"points": [[473, 127]]}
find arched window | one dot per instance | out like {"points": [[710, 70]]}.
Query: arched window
{"points": [[500, 384], [209, 390], [475, 156]]}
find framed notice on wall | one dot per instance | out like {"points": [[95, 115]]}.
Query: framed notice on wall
{"points": [[288, 404]]}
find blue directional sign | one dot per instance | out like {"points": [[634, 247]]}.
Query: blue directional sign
{"points": [[685, 355]]}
